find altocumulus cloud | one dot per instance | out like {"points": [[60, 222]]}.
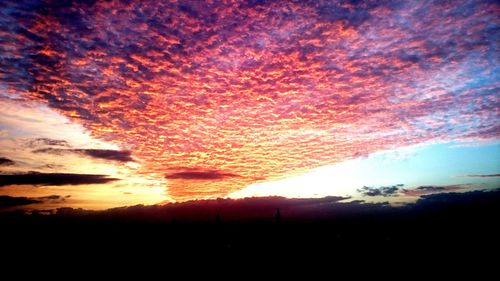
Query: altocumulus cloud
{"points": [[265, 88]]}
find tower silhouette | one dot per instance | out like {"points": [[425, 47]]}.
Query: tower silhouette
{"points": [[278, 216]]}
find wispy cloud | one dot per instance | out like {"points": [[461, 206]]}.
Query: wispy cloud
{"points": [[435, 189], [484, 176], [38, 142]]}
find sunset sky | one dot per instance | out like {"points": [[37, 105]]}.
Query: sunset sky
{"points": [[117, 103]]}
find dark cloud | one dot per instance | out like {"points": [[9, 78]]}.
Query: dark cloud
{"points": [[380, 191], [34, 178], [6, 162], [8, 201], [38, 142], [430, 202], [446, 225], [107, 154], [200, 175], [50, 197], [484, 176], [431, 188]]}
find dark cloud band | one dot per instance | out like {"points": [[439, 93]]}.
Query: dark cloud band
{"points": [[53, 179], [107, 154], [200, 175], [8, 201], [485, 176], [6, 162]]}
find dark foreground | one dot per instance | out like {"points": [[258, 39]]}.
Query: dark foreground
{"points": [[438, 226]]}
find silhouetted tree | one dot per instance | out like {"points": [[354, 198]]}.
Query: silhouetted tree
{"points": [[278, 216]]}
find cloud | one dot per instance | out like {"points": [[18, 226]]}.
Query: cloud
{"points": [[380, 191], [436, 189], [431, 188], [8, 201], [38, 142], [50, 197], [428, 202], [484, 176], [107, 154], [197, 174], [266, 89], [6, 162], [33, 178]]}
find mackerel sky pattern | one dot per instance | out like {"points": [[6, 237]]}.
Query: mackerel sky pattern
{"points": [[236, 92]]}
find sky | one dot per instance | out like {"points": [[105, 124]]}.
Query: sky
{"points": [[116, 103]]}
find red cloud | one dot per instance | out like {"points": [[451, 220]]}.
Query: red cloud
{"points": [[260, 91]]}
